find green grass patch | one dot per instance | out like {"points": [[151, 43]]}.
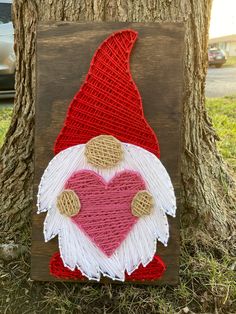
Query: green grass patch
{"points": [[5, 119], [231, 62], [223, 114]]}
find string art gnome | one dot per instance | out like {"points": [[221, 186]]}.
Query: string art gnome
{"points": [[106, 193]]}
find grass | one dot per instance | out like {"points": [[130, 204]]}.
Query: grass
{"points": [[5, 119], [231, 62], [207, 272], [223, 114]]}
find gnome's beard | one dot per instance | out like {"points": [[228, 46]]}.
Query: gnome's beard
{"points": [[139, 246]]}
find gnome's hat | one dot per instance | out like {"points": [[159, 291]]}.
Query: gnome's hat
{"points": [[108, 102]]}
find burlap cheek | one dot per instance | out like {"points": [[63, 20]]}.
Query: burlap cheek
{"points": [[142, 204], [68, 203], [104, 151]]}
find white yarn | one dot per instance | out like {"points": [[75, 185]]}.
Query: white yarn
{"points": [[139, 247]]}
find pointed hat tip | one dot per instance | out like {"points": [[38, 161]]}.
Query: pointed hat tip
{"points": [[108, 102]]}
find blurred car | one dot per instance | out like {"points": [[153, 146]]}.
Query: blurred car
{"points": [[7, 55], [216, 57]]}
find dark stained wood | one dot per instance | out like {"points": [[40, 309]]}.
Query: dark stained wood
{"points": [[64, 52]]}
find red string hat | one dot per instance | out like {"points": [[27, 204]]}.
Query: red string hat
{"points": [[106, 193], [108, 102]]}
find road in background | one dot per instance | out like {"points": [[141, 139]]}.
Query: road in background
{"points": [[221, 82]]}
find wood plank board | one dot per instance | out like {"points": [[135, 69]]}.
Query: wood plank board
{"points": [[64, 52]]}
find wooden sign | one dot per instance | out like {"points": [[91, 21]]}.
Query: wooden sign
{"points": [[64, 53]]}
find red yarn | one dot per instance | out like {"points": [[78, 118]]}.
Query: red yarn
{"points": [[153, 271], [108, 102], [57, 269]]}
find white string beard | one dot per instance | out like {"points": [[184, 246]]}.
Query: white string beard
{"points": [[76, 248]]}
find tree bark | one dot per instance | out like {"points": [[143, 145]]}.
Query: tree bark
{"points": [[206, 183]]}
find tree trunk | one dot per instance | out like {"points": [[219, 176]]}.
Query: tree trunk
{"points": [[206, 184]]}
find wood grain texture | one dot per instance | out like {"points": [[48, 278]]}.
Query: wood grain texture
{"points": [[64, 52]]}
